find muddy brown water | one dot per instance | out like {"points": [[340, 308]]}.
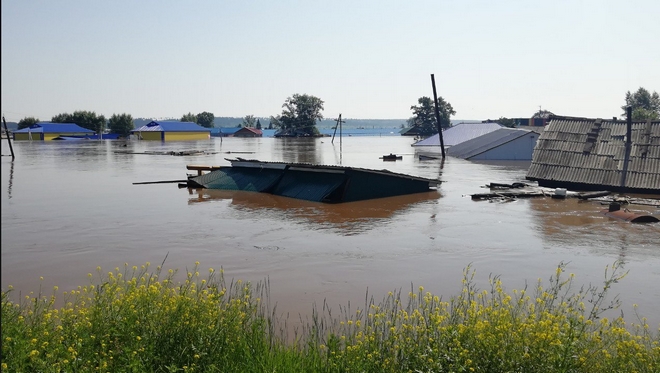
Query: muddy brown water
{"points": [[68, 207]]}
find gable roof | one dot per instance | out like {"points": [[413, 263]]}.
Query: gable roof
{"points": [[481, 144], [171, 126], [250, 129], [459, 133], [47, 127], [584, 154]]}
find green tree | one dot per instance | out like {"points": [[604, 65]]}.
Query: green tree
{"points": [[121, 124], [190, 117], [205, 119], [83, 118], [645, 105], [27, 122], [543, 114], [249, 121], [424, 115], [507, 122], [258, 126], [299, 116]]}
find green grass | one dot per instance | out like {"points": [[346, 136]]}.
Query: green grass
{"points": [[138, 320]]}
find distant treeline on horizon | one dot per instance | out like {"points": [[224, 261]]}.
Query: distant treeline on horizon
{"points": [[230, 122]]}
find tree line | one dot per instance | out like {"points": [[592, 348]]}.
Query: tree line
{"points": [[301, 112]]}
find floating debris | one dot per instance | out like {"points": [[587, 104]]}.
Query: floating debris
{"points": [[391, 157], [615, 211], [180, 152]]}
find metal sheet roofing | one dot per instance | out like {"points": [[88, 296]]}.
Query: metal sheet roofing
{"points": [[47, 127], [459, 133], [228, 178], [481, 144], [592, 153], [312, 182], [171, 126]]}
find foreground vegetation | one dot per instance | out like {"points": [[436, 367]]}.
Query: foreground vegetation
{"points": [[139, 320]]}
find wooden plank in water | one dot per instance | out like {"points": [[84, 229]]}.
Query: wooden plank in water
{"points": [[201, 168]]}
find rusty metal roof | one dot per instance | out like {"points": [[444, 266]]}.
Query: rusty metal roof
{"points": [[592, 153]]}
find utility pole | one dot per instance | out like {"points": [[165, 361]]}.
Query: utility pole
{"points": [[437, 117], [339, 122], [11, 148]]}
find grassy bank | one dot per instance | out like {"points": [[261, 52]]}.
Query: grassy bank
{"points": [[140, 320]]}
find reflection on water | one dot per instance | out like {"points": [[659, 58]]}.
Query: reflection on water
{"points": [[10, 184], [344, 219], [299, 150]]}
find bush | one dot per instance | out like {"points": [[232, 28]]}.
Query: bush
{"points": [[132, 320]]}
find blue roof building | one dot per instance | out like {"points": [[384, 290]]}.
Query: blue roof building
{"points": [[46, 131], [172, 131]]}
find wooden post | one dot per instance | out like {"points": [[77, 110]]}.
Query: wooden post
{"points": [[437, 117], [628, 148], [11, 148]]}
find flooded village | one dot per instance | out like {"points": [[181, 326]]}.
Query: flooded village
{"points": [[326, 187], [327, 221]]}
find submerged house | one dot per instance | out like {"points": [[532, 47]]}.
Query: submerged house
{"points": [[172, 131], [411, 131], [502, 144], [248, 132], [224, 131], [329, 184], [598, 154], [459, 133], [46, 131]]}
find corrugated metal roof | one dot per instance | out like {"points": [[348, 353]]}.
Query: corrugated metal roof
{"points": [[312, 182], [459, 133], [228, 178], [47, 127], [171, 126], [470, 148], [592, 152]]}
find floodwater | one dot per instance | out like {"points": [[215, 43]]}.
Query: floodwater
{"points": [[68, 207]]}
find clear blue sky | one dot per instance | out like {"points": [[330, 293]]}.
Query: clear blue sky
{"points": [[365, 59]]}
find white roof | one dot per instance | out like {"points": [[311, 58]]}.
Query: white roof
{"points": [[459, 133], [484, 143]]}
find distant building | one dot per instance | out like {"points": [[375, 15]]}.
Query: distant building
{"points": [[46, 131], [502, 144], [597, 154], [172, 131], [459, 133], [411, 131], [224, 131], [523, 122], [248, 132]]}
